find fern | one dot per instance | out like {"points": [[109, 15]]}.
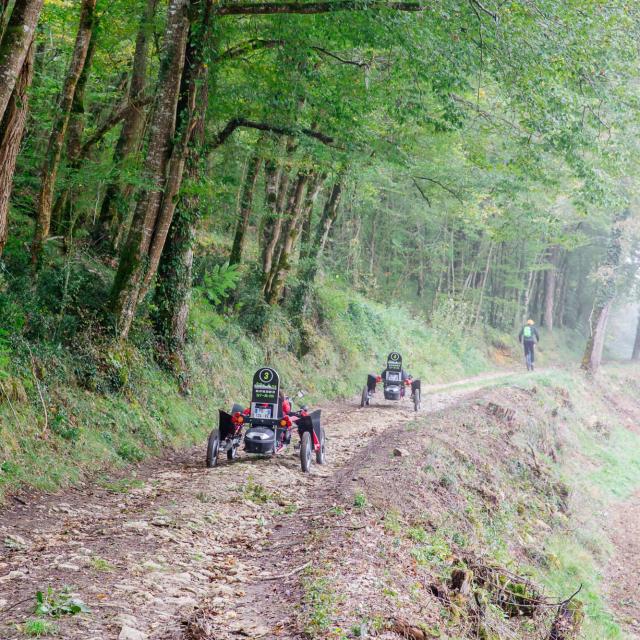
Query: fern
{"points": [[220, 282]]}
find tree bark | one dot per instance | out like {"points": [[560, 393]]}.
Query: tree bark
{"points": [[134, 266], [550, 280], [175, 270], [115, 204], [62, 211], [605, 295], [246, 200], [636, 344], [329, 215], [59, 130], [292, 231], [272, 179], [11, 131], [15, 44]]}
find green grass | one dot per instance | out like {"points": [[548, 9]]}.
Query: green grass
{"points": [[38, 627]]}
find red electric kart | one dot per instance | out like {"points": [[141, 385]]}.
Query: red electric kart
{"points": [[266, 426]]}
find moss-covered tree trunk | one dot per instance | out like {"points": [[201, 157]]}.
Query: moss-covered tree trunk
{"points": [[15, 44], [59, 130], [134, 267], [290, 235], [174, 283], [246, 201], [11, 130], [115, 204]]}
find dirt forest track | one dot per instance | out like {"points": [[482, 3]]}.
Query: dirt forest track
{"points": [[180, 551]]}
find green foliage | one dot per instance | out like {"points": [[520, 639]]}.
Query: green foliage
{"points": [[220, 282], [56, 604]]}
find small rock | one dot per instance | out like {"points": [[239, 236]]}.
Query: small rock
{"points": [[400, 453], [14, 541], [68, 566], [136, 525], [125, 620], [129, 633], [13, 575]]}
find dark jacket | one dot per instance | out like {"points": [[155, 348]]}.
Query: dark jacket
{"points": [[535, 337]]}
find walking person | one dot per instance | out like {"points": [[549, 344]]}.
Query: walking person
{"points": [[528, 337]]}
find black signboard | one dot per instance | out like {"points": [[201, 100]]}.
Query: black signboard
{"points": [[394, 361], [265, 393]]}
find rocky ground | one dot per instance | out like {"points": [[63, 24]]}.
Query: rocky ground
{"points": [[143, 551], [255, 548]]}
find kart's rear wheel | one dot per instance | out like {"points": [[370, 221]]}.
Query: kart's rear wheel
{"points": [[321, 456], [305, 451], [364, 400], [213, 448], [416, 400]]}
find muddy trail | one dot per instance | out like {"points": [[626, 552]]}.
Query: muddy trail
{"points": [[180, 551]]}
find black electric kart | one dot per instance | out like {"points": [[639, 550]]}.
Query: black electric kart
{"points": [[395, 381]]}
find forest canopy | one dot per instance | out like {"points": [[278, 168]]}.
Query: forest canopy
{"points": [[461, 156]]}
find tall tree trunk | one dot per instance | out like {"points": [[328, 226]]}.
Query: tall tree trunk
{"points": [[59, 130], [246, 200], [550, 279], [162, 173], [636, 344], [272, 178], [115, 204], [329, 215], [15, 44], [289, 237], [175, 270], [62, 210], [604, 297], [11, 130]]}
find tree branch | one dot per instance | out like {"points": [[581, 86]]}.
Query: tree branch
{"points": [[237, 123], [422, 193], [116, 117], [477, 3], [248, 47], [272, 8], [442, 186]]}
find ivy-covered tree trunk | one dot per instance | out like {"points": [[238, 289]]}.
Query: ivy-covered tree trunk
{"points": [[11, 130], [135, 267], [62, 211], [59, 130], [15, 44], [246, 201], [115, 204], [604, 297], [272, 178], [175, 270]]}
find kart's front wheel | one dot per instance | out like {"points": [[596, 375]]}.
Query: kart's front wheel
{"points": [[305, 451], [364, 400], [321, 456], [416, 400], [213, 448], [232, 453]]}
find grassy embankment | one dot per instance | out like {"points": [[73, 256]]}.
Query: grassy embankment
{"points": [[66, 411], [511, 487]]}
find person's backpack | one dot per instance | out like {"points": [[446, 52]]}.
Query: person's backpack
{"points": [[528, 332]]}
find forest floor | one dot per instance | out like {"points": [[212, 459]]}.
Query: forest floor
{"points": [[252, 548]]}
